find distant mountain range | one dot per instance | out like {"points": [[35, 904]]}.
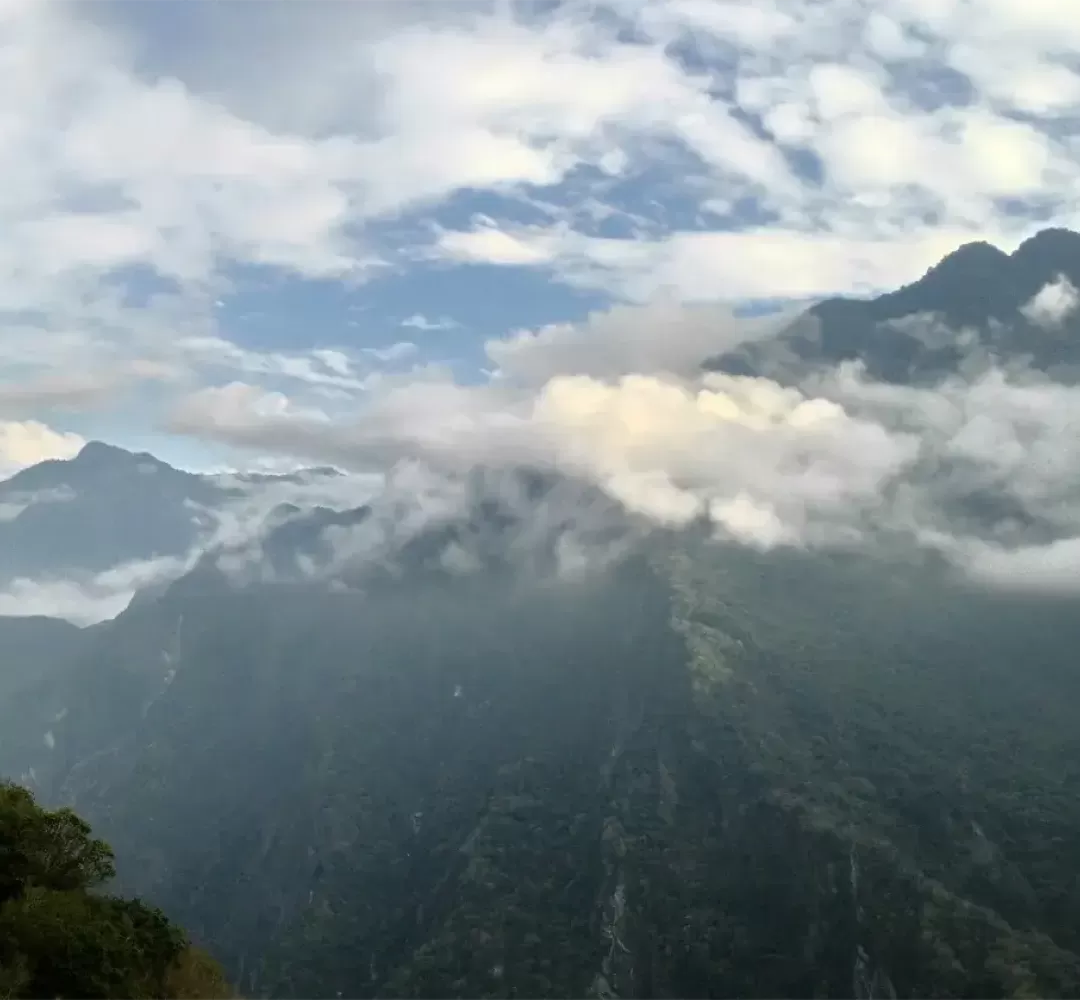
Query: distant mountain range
{"points": [[452, 767], [103, 507], [107, 506]]}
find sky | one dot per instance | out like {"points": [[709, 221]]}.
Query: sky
{"points": [[250, 210]]}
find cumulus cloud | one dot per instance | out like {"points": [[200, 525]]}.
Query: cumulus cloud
{"points": [[73, 391], [27, 442], [1053, 303], [420, 520], [768, 464], [913, 129], [398, 351], [630, 416]]}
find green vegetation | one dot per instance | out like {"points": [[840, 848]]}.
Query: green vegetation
{"points": [[714, 773], [61, 938]]}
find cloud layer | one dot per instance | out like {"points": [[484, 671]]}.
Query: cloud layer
{"points": [[979, 468], [989, 458], [667, 155], [741, 151]]}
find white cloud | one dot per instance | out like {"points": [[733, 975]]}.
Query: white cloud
{"points": [[80, 390], [919, 124], [843, 84], [767, 463], [510, 102], [398, 351], [201, 160], [103, 171], [488, 245], [179, 180], [27, 442], [243, 520], [319, 367], [87, 599], [418, 321], [1053, 303], [981, 467], [1004, 438], [659, 337], [1051, 569], [240, 401], [714, 266]]}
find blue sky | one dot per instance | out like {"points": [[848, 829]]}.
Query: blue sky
{"points": [[247, 212]]}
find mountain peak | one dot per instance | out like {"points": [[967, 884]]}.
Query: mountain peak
{"points": [[963, 286], [1050, 247], [95, 452], [978, 289], [971, 261], [99, 455]]}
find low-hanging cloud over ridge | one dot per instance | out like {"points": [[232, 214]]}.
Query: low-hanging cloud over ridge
{"points": [[976, 464], [980, 468]]}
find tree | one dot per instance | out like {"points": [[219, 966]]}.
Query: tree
{"points": [[51, 849], [59, 938]]}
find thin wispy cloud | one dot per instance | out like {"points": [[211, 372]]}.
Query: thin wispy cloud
{"points": [[418, 321]]}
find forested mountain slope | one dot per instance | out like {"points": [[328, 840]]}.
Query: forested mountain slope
{"points": [[701, 773]]}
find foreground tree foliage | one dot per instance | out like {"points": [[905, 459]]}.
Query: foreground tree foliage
{"points": [[59, 938]]}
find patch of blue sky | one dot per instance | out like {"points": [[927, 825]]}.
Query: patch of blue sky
{"points": [[931, 85], [140, 284], [284, 313], [267, 309], [487, 301]]}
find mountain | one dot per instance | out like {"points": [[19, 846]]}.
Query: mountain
{"points": [[524, 747], [695, 772], [31, 648], [103, 507], [972, 308], [108, 506]]}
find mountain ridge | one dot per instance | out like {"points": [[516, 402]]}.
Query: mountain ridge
{"points": [[107, 506], [976, 287]]}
